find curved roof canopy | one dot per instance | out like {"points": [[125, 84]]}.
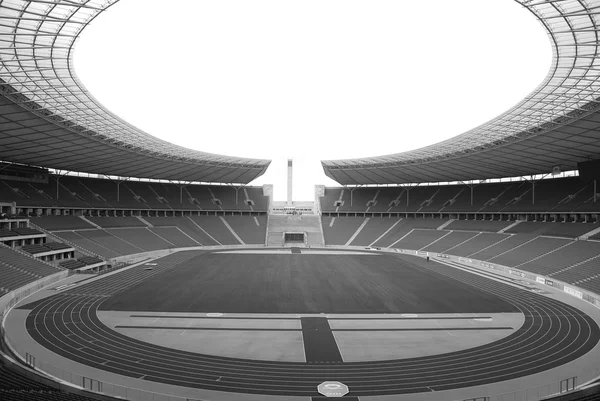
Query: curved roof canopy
{"points": [[48, 118], [558, 124]]}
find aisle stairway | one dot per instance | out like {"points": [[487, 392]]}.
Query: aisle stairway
{"points": [[309, 224]]}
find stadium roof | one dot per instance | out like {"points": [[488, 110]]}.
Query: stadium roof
{"points": [[48, 118], [558, 124]]}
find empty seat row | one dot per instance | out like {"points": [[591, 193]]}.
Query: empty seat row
{"points": [[42, 248]]}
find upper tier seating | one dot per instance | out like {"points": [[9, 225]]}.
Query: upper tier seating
{"points": [[89, 193], [552, 195]]}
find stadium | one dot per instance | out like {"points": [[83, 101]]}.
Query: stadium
{"points": [[132, 268]]}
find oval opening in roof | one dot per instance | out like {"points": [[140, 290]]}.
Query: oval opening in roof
{"points": [[311, 79]]}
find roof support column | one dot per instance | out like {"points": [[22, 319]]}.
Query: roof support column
{"points": [[181, 185], [533, 181], [58, 175], [118, 182], [471, 185], [237, 189], [352, 192]]}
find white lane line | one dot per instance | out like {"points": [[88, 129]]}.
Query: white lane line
{"points": [[161, 315], [438, 325], [189, 325]]}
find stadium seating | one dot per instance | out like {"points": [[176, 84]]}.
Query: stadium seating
{"points": [[141, 238], [478, 225], [419, 239], [573, 261], [113, 222], [92, 193], [77, 238], [52, 223], [337, 231], [16, 269], [42, 248], [174, 236], [505, 245], [128, 235], [449, 241], [251, 230], [404, 226], [374, 228], [570, 230], [216, 228], [478, 243], [17, 387], [552, 195], [72, 264], [186, 225], [529, 250], [574, 253], [107, 240]]}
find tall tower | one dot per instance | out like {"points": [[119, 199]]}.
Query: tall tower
{"points": [[289, 182]]}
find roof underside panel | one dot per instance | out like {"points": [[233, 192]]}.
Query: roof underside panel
{"points": [[48, 118], [558, 124]]}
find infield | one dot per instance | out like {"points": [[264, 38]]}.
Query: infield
{"points": [[305, 283]]}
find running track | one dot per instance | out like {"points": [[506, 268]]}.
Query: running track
{"points": [[553, 334]]}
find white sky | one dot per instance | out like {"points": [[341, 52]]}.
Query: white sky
{"points": [[311, 79]]}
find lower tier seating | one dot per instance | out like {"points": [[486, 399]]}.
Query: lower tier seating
{"points": [[569, 260]]}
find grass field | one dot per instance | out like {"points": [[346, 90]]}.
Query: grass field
{"points": [[297, 283]]}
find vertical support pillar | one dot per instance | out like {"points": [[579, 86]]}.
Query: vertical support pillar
{"points": [[471, 195]]}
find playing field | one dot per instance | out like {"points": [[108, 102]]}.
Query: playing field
{"points": [[305, 283]]}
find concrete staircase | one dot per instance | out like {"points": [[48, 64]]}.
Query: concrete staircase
{"points": [[309, 224]]}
